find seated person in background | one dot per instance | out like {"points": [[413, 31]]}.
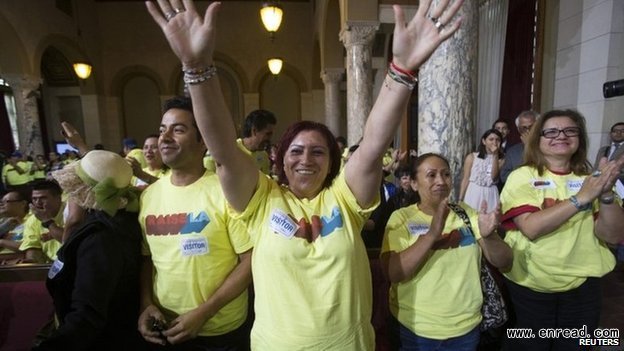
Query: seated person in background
{"points": [[13, 212], [43, 231], [432, 257], [404, 195], [131, 151], [94, 282], [481, 170], [155, 166]]}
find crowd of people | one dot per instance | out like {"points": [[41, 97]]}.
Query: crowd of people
{"points": [[156, 248]]}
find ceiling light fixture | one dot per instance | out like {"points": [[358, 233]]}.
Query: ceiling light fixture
{"points": [[271, 14], [275, 65]]}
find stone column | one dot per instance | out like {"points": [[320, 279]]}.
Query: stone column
{"points": [[332, 78], [447, 94], [357, 38], [25, 91]]}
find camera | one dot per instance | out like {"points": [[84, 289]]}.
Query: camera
{"points": [[613, 88]]}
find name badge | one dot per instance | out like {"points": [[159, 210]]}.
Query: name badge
{"points": [[417, 228], [282, 224], [194, 246], [543, 184], [574, 186], [56, 267]]}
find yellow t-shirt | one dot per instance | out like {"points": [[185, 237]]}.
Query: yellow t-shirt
{"points": [[138, 155], [194, 246], [260, 157], [32, 236], [443, 299], [158, 173], [559, 261], [13, 177], [309, 296]]}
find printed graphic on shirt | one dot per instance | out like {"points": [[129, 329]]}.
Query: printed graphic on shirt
{"points": [[176, 223], [286, 225], [456, 238]]}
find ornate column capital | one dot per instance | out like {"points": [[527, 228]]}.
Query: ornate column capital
{"points": [[332, 75], [23, 84], [358, 33]]}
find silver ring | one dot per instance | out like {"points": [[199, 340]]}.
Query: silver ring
{"points": [[596, 173], [439, 25], [170, 15], [178, 10]]}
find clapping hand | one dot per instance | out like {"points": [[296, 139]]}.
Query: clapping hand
{"points": [[488, 221]]}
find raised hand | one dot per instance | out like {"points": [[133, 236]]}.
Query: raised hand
{"points": [[415, 41], [73, 138], [191, 37]]}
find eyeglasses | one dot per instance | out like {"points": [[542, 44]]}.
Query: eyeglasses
{"points": [[618, 131], [525, 129], [552, 133]]}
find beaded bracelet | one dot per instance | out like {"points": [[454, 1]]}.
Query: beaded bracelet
{"points": [[199, 75], [401, 76]]}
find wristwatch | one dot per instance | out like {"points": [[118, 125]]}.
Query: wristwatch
{"points": [[47, 223], [607, 199]]}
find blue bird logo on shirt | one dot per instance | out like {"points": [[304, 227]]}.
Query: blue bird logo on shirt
{"points": [[331, 223]]}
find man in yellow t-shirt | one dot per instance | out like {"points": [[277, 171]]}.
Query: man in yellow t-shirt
{"points": [[13, 212], [16, 172], [197, 261], [43, 231], [257, 133]]}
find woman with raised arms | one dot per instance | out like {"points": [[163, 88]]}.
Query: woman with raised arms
{"points": [[311, 272]]}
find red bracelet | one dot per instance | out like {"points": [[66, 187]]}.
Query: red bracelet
{"points": [[412, 74]]}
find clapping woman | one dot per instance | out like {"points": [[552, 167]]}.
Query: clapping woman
{"points": [[310, 268], [559, 218], [431, 254]]}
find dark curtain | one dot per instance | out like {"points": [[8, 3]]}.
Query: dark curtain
{"points": [[517, 66], [6, 138]]}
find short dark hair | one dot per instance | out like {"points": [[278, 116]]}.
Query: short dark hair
{"points": [[291, 133], [22, 195], [258, 119], [182, 103], [617, 124], [500, 120], [48, 185]]}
